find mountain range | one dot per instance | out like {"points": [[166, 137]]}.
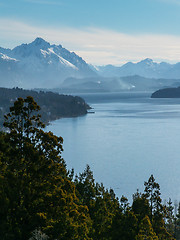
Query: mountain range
{"points": [[42, 65], [145, 68]]}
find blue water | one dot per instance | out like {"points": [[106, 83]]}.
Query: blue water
{"points": [[128, 138]]}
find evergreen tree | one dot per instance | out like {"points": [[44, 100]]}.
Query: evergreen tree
{"points": [[152, 193], [170, 217], [124, 225], [146, 230], [102, 204], [140, 206], [125, 222], [177, 231], [157, 210], [35, 189], [85, 185]]}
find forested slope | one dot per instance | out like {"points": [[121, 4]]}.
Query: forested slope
{"points": [[167, 93], [53, 105]]}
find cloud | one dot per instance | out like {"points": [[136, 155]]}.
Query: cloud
{"points": [[96, 46]]}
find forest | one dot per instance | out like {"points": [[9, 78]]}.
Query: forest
{"points": [[53, 105], [41, 199]]}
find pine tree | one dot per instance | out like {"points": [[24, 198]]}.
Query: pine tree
{"points": [[170, 217], [146, 230], [124, 225], [102, 204], [140, 206], [152, 193], [177, 232], [157, 210], [35, 189]]}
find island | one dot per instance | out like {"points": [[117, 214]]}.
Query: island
{"points": [[53, 105], [167, 93]]}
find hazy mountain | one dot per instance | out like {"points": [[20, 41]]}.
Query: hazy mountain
{"points": [[95, 84], [114, 84], [40, 64], [146, 68]]}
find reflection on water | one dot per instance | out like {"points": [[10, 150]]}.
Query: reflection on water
{"points": [[128, 138]]}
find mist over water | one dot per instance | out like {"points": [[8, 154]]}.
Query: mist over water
{"points": [[128, 138]]}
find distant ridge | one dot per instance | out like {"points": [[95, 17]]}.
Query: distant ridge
{"points": [[145, 68]]}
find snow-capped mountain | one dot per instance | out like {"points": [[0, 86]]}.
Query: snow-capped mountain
{"points": [[145, 68], [40, 64]]}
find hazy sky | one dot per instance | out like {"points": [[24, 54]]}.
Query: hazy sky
{"points": [[100, 31]]}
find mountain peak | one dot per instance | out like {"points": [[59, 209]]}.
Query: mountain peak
{"points": [[147, 60], [40, 42]]}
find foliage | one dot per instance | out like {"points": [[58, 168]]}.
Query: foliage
{"points": [[146, 230], [102, 204], [35, 188], [177, 223], [140, 206], [170, 219]]}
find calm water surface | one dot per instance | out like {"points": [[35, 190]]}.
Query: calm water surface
{"points": [[128, 138]]}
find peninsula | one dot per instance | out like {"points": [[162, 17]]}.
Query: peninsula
{"points": [[53, 105]]}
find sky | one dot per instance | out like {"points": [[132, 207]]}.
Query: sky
{"points": [[100, 31]]}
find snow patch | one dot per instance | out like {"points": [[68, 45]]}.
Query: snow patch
{"points": [[5, 57], [44, 53], [62, 60], [50, 53]]}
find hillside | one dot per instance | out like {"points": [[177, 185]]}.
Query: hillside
{"points": [[167, 93], [53, 105]]}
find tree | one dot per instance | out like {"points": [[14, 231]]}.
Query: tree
{"points": [[152, 193], [35, 189], [146, 230], [177, 224], [170, 217], [85, 185], [157, 210], [140, 206], [102, 204], [124, 225]]}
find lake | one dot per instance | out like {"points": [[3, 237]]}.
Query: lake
{"points": [[129, 137]]}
